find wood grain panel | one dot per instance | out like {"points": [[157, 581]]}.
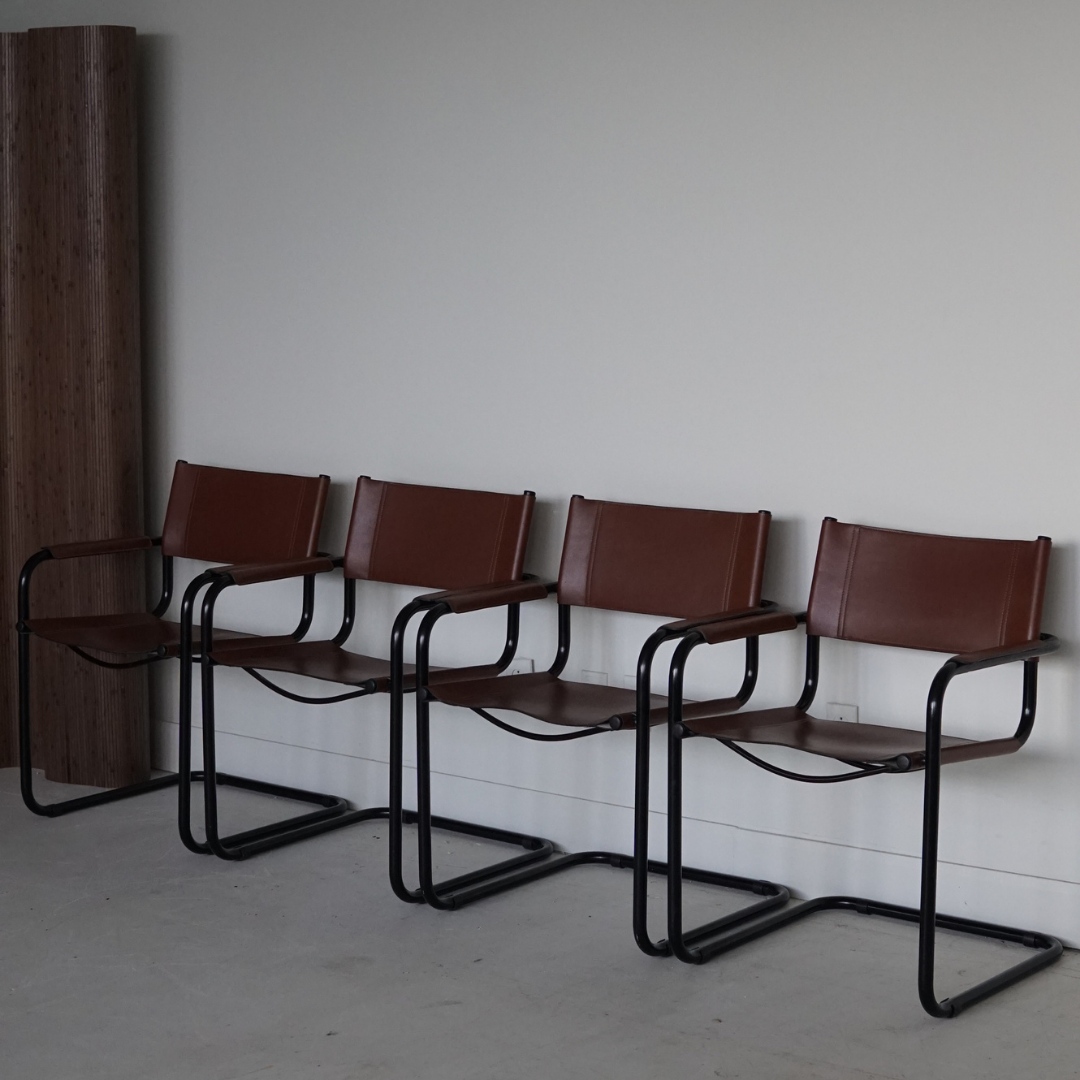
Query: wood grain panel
{"points": [[75, 448], [14, 345]]}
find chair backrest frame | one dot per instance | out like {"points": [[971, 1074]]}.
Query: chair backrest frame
{"points": [[662, 560], [928, 591], [436, 537], [238, 516]]}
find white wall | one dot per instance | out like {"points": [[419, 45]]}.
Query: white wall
{"points": [[819, 258]]}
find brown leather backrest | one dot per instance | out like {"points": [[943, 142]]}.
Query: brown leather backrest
{"points": [[441, 538], [661, 560], [236, 516], [950, 594]]}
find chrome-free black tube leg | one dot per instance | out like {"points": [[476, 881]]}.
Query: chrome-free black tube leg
{"points": [[423, 800], [334, 812], [466, 887], [477, 883], [928, 893], [1049, 948], [26, 769], [210, 775], [641, 799], [675, 940], [187, 661], [397, 755], [1046, 949], [681, 942]]}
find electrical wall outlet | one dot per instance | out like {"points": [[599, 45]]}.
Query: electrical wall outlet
{"points": [[599, 677], [520, 665], [629, 682], [849, 714]]}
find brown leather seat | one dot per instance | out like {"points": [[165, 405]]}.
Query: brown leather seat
{"points": [[837, 739], [544, 696], [328, 661], [136, 632]]}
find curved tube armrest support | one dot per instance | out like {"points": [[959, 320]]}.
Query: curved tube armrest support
{"points": [[1028, 653], [478, 597], [93, 547], [253, 573], [81, 548], [691, 633]]}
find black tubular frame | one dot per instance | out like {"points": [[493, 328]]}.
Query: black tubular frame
{"points": [[544, 861], [703, 943], [536, 848], [334, 812], [26, 775]]}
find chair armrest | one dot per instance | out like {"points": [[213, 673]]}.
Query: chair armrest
{"points": [[478, 597], [1004, 654], [771, 622], [677, 629], [251, 574], [80, 548]]}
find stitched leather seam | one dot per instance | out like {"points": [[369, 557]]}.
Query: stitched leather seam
{"points": [[190, 511], [1007, 602], [841, 618], [732, 561], [498, 539], [592, 555], [375, 533]]}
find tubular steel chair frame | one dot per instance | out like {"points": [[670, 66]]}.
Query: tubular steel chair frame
{"points": [[499, 877], [334, 810], [467, 888], [83, 549], [242, 845], [251, 842], [703, 943]]}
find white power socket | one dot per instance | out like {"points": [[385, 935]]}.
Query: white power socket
{"points": [[520, 665], [598, 677], [849, 714]]}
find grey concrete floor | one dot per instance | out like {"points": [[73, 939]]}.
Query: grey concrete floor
{"points": [[124, 956]]}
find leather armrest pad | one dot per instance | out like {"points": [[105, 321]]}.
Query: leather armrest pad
{"points": [[1046, 644], [749, 626], [683, 625], [99, 547], [256, 572], [478, 597]]}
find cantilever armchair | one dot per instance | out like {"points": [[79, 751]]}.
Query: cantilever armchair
{"points": [[705, 566], [978, 599], [404, 534], [213, 515]]}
